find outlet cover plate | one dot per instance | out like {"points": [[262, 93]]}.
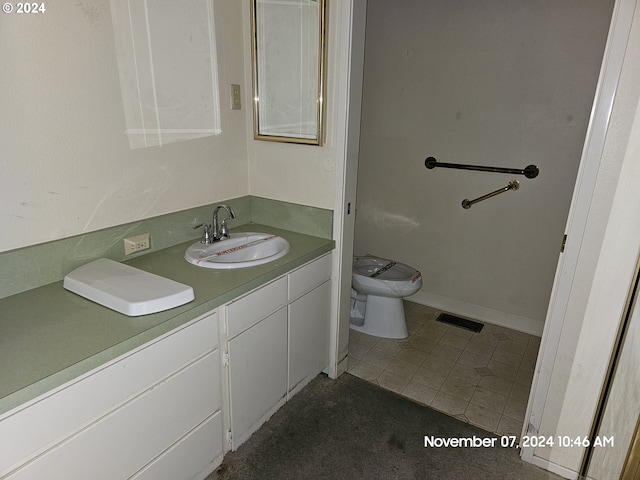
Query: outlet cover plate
{"points": [[137, 243]]}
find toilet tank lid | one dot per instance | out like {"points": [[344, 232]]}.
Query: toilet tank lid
{"points": [[126, 289]]}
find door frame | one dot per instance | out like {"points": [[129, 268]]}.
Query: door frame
{"points": [[346, 161], [349, 65], [578, 215]]}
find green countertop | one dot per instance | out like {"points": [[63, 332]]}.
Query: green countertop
{"points": [[49, 335]]}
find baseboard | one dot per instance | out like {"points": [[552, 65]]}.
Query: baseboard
{"points": [[342, 367], [478, 312], [554, 468]]}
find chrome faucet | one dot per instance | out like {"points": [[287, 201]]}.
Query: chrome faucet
{"points": [[217, 230], [221, 232]]}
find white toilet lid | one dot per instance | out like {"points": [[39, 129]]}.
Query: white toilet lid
{"points": [[383, 269]]}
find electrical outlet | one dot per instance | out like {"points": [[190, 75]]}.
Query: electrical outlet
{"points": [[137, 243]]}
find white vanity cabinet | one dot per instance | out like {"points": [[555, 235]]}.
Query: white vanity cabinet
{"points": [[172, 407], [153, 413], [277, 341]]}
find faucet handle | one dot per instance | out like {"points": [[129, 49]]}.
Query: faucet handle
{"points": [[206, 233], [224, 231]]}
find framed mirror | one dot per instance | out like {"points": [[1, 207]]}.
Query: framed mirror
{"points": [[289, 48]]}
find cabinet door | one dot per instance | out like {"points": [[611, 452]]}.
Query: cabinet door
{"points": [[257, 375], [309, 336]]}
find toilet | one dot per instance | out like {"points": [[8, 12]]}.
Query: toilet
{"points": [[377, 288]]}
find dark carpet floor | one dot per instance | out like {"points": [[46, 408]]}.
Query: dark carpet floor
{"points": [[351, 429]]}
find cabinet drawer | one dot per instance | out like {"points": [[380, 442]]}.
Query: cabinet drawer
{"points": [[250, 309], [27, 431], [121, 443], [309, 276], [194, 456]]}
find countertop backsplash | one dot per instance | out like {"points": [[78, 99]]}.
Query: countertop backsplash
{"points": [[34, 266]]}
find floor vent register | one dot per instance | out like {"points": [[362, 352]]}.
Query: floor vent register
{"points": [[460, 322]]}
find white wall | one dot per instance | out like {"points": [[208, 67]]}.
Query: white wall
{"points": [[497, 84], [66, 163], [298, 173]]}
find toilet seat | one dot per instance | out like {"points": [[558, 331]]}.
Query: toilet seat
{"points": [[379, 276], [378, 286]]}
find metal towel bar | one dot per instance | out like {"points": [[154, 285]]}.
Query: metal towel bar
{"points": [[513, 185], [530, 171]]}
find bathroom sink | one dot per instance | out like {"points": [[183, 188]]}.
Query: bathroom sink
{"points": [[240, 251]]}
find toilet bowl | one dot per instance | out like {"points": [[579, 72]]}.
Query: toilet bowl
{"points": [[378, 286]]}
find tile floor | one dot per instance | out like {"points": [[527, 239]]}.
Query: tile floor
{"points": [[481, 378]]}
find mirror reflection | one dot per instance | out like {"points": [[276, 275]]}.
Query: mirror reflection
{"points": [[288, 70]]}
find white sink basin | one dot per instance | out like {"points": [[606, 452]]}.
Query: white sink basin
{"points": [[240, 251]]}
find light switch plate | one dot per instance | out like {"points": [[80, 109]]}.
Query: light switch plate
{"points": [[236, 102]]}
